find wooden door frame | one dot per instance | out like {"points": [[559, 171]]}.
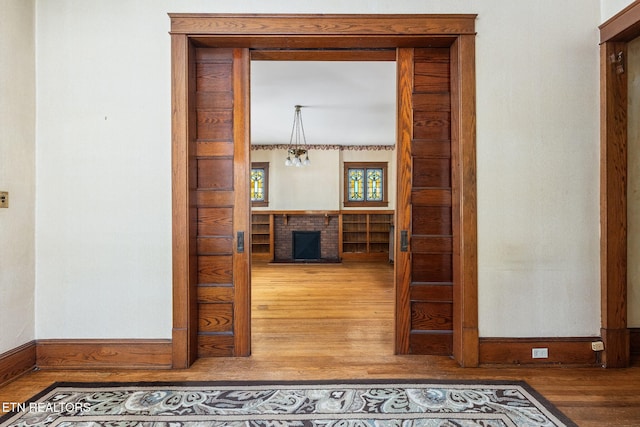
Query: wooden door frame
{"points": [[348, 33], [614, 36]]}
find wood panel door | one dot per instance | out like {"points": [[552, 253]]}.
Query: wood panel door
{"points": [[214, 198], [222, 201], [424, 282]]}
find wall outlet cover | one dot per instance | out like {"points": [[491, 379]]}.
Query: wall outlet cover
{"points": [[540, 353]]}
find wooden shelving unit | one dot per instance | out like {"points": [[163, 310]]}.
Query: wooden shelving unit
{"points": [[366, 234], [354, 233], [262, 235], [362, 235]]}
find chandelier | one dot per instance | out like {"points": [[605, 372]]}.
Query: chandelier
{"points": [[298, 142]]}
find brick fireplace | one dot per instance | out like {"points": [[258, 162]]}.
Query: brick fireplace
{"points": [[285, 225]]}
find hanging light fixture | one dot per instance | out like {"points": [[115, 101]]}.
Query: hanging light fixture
{"points": [[298, 142]]}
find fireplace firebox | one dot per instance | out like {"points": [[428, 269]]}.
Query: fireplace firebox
{"points": [[306, 245]]}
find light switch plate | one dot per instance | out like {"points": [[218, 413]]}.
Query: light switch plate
{"points": [[4, 199]]}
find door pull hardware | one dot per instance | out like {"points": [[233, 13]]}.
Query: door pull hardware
{"points": [[240, 241], [404, 241]]}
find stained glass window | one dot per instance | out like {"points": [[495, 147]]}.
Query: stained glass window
{"points": [[374, 184], [365, 184], [356, 185], [259, 184]]}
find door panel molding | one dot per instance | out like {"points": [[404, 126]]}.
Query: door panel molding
{"points": [[356, 32]]}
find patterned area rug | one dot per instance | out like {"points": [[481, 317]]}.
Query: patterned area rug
{"points": [[322, 404]]}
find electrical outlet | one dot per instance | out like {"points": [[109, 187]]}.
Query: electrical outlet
{"points": [[4, 199], [540, 353], [597, 346]]}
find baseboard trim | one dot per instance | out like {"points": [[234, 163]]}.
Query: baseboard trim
{"points": [[574, 351], [634, 338], [17, 361], [103, 354]]}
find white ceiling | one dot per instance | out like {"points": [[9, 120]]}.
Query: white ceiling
{"points": [[344, 103]]}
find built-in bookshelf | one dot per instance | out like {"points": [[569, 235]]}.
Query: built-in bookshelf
{"points": [[362, 234], [366, 234], [262, 235]]}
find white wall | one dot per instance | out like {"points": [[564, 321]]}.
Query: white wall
{"points": [[17, 172], [611, 7], [538, 169], [319, 186], [103, 185], [633, 182], [314, 187]]}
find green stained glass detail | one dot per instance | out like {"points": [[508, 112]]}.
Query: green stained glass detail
{"points": [[374, 185], [257, 185], [356, 185]]}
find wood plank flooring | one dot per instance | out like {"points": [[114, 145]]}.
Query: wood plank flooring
{"points": [[336, 322]]}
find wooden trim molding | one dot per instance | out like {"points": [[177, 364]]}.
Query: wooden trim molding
{"points": [[184, 306], [103, 354], [634, 339], [518, 351], [314, 24], [464, 200], [614, 35], [624, 26], [613, 209], [17, 361], [296, 32]]}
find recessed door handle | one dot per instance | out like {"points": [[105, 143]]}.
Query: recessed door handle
{"points": [[240, 241], [404, 241]]}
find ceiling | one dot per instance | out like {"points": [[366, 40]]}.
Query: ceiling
{"points": [[344, 102]]}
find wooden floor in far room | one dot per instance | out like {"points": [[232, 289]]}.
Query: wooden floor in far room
{"points": [[335, 321]]}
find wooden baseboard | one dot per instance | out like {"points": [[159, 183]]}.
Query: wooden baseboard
{"points": [[634, 338], [104, 354], [16, 362], [518, 351]]}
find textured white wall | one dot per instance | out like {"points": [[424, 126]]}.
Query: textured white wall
{"points": [[103, 184], [538, 162], [611, 7], [633, 182], [320, 185], [314, 187], [17, 172]]}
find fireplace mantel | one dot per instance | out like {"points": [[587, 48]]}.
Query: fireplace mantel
{"points": [[286, 214]]}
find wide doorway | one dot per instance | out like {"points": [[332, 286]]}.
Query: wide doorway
{"points": [[435, 257], [322, 279]]}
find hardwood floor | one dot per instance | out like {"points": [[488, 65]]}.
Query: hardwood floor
{"points": [[336, 322]]}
